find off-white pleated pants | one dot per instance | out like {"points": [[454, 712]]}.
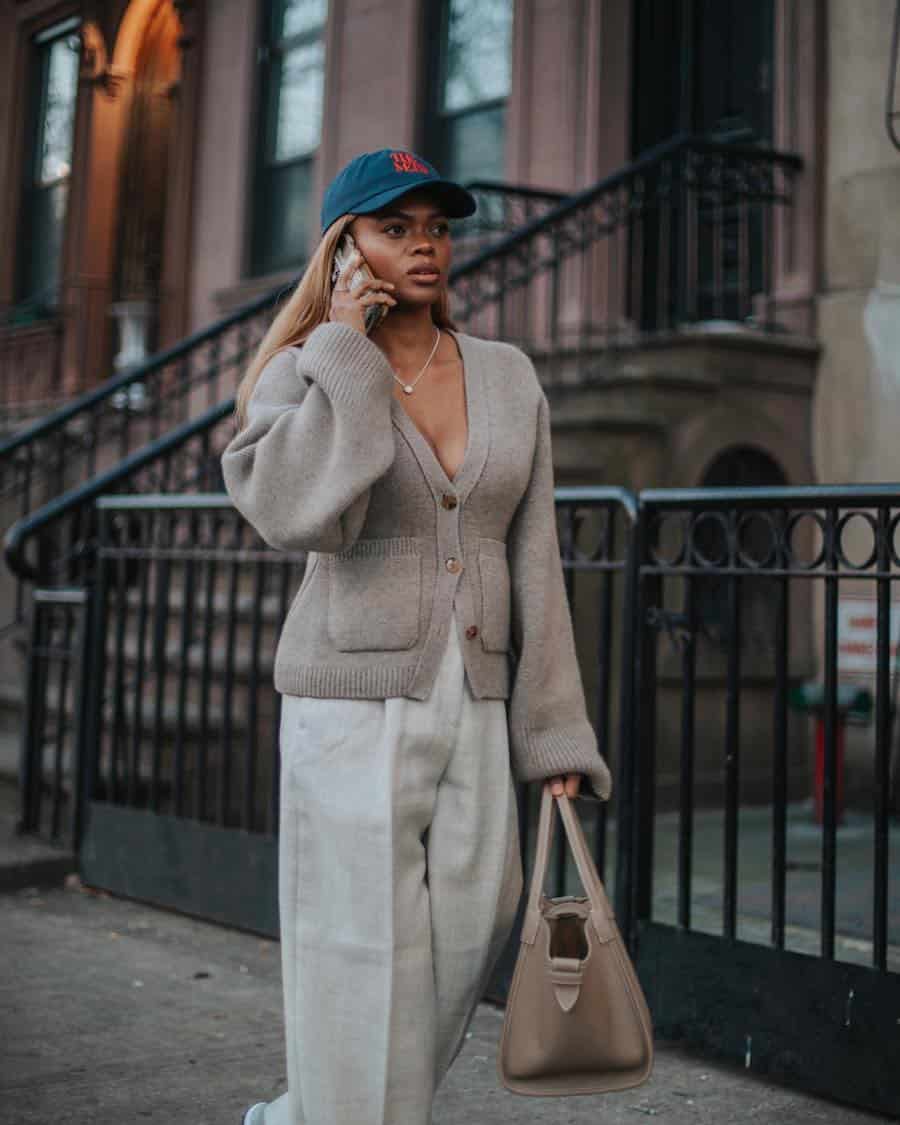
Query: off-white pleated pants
{"points": [[399, 880]]}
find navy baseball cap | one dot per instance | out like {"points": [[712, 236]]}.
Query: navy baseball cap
{"points": [[373, 179]]}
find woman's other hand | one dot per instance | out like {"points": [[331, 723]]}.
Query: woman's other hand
{"points": [[349, 305], [570, 784]]}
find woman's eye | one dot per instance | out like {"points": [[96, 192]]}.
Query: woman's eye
{"points": [[441, 228]]}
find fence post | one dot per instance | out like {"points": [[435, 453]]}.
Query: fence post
{"points": [[625, 780], [82, 755], [648, 590], [30, 779], [93, 677]]}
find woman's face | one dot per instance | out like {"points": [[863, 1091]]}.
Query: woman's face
{"points": [[411, 233]]}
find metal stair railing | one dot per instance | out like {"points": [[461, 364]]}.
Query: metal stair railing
{"points": [[64, 536], [52, 457], [502, 209], [685, 234]]}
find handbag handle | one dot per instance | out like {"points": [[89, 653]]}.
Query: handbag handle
{"points": [[601, 911]]}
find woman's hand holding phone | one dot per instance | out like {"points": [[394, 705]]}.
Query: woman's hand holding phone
{"points": [[348, 306]]}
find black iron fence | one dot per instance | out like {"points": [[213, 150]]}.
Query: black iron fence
{"points": [[502, 209], [47, 463], [766, 913], [726, 596], [687, 234], [760, 933]]}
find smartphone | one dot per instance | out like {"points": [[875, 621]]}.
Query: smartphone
{"points": [[374, 314]]}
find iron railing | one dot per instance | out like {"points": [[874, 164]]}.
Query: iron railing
{"points": [[170, 657], [63, 569], [723, 577], [696, 612], [684, 235], [748, 912], [502, 209], [43, 467], [758, 553]]}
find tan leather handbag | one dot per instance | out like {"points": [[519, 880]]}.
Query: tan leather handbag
{"points": [[576, 1019]]}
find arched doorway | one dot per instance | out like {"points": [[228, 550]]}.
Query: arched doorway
{"points": [[742, 466], [145, 168]]}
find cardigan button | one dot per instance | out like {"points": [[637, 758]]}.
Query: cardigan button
{"points": [[472, 631], [448, 500], [453, 565]]}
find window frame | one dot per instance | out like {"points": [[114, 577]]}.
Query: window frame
{"points": [[436, 120], [39, 304], [266, 52]]}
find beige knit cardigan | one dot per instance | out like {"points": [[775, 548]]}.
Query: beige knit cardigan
{"points": [[330, 463]]}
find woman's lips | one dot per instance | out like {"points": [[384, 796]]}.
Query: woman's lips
{"points": [[429, 278]]}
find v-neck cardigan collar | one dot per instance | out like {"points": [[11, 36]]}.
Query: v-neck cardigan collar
{"points": [[331, 464], [476, 449]]}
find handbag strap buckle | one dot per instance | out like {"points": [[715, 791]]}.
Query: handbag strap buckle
{"points": [[565, 975]]}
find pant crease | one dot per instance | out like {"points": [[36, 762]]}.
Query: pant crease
{"points": [[415, 794]]}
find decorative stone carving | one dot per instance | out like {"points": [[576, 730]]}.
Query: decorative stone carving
{"points": [[96, 69]]}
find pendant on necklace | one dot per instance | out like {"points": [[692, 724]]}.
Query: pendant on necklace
{"points": [[407, 388]]}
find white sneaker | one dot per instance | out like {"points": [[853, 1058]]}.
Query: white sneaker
{"points": [[254, 1115]]}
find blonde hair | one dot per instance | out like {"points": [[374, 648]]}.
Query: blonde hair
{"points": [[306, 308]]}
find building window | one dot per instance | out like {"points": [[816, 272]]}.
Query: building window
{"points": [[292, 60], [48, 164], [467, 123]]}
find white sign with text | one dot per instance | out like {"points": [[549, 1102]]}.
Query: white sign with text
{"points": [[858, 635]]}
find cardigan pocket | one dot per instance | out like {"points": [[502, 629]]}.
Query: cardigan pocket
{"points": [[375, 594], [493, 569]]}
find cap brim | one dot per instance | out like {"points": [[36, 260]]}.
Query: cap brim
{"points": [[455, 200]]}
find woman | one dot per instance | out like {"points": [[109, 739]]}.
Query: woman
{"points": [[427, 660]]}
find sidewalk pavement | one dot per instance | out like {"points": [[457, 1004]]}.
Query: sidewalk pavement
{"points": [[117, 1012]]}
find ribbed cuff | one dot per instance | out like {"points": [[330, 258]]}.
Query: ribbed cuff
{"points": [[347, 364], [551, 752]]}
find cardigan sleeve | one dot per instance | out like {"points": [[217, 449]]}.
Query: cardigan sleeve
{"points": [[550, 732], [318, 435]]}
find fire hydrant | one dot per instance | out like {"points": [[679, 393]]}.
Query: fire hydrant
{"points": [[854, 705]]}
